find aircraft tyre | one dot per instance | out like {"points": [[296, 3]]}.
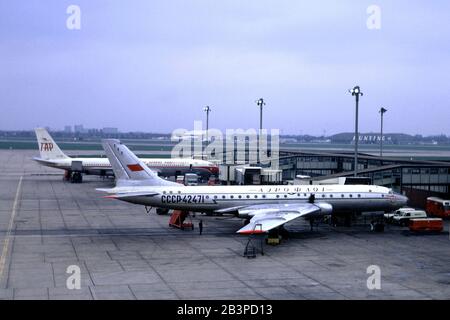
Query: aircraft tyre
{"points": [[76, 177]]}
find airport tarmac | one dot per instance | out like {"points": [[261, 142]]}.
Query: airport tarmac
{"points": [[47, 225]]}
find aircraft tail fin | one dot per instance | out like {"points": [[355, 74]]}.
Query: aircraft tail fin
{"points": [[127, 166], [47, 146]]}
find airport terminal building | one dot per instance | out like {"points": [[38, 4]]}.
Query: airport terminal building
{"points": [[418, 179]]}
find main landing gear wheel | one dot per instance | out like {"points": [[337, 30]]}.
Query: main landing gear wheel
{"points": [[76, 177]]}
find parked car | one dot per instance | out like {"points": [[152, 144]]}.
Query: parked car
{"points": [[403, 218], [190, 179], [388, 217]]}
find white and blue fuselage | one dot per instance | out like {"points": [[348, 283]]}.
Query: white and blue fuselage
{"points": [[342, 198]]}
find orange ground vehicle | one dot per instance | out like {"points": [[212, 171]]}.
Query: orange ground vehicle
{"points": [[426, 224], [438, 207]]}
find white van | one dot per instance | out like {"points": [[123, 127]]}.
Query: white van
{"points": [[190, 179], [388, 217], [180, 179], [403, 218]]}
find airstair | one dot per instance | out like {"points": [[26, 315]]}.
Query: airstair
{"points": [[177, 220], [255, 241]]}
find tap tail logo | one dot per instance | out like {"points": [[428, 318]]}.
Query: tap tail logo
{"points": [[46, 146]]}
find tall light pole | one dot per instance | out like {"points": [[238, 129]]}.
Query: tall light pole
{"points": [[260, 103], [382, 112], [356, 92], [207, 109]]}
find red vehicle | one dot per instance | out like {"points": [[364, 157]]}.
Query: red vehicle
{"points": [[438, 207], [426, 224]]}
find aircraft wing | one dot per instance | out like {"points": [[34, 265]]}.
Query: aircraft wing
{"points": [[269, 216]]}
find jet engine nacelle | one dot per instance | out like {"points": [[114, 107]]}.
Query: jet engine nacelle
{"points": [[325, 208]]}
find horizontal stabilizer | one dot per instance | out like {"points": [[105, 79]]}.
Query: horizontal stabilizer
{"points": [[131, 195]]}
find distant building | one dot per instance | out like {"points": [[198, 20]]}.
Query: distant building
{"points": [[372, 138], [109, 130], [68, 129], [78, 128], [92, 131], [288, 140]]}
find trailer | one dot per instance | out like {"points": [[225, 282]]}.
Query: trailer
{"points": [[426, 225]]}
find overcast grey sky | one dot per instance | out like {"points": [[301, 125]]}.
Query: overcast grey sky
{"points": [[153, 65]]}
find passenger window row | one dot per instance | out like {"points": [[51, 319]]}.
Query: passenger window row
{"points": [[277, 196]]}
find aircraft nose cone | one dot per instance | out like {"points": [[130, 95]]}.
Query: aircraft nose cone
{"points": [[403, 200], [214, 170]]}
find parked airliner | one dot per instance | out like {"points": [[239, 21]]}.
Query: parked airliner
{"points": [[52, 156], [266, 207]]}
